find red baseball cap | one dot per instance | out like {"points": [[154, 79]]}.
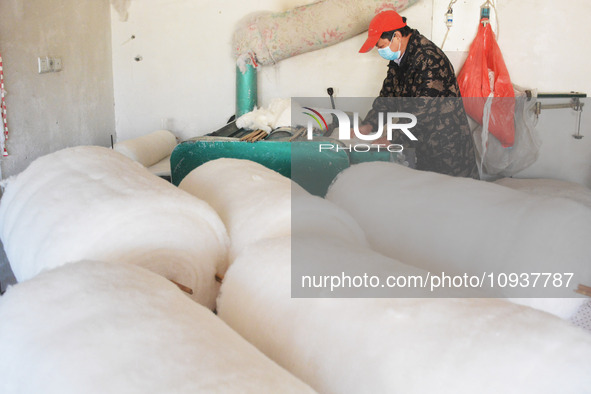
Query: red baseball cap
{"points": [[384, 21]]}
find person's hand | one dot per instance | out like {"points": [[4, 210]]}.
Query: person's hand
{"points": [[364, 129]]}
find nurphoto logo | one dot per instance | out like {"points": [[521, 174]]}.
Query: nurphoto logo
{"points": [[344, 134]]}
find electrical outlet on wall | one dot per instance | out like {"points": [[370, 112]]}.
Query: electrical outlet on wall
{"points": [[57, 64], [49, 64], [44, 66]]}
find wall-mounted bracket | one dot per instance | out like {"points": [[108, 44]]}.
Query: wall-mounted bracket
{"points": [[574, 104]]}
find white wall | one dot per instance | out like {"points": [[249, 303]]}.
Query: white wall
{"points": [[542, 40], [48, 112], [186, 80], [561, 156], [544, 47]]}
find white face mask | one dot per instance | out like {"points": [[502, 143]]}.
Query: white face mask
{"points": [[389, 54]]}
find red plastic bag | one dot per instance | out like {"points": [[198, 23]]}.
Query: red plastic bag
{"points": [[475, 79]]}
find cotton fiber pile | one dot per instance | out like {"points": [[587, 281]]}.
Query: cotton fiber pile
{"points": [[550, 188], [437, 222], [257, 203], [384, 344], [315, 217], [277, 114], [152, 150], [253, 201], [327, 241], [94, 203], [399, 345], [95, 327]]}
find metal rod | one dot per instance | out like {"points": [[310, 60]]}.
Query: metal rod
{"points": [[574, 104], [555, 106], [579, 110], [562, 95], [330, 92]]}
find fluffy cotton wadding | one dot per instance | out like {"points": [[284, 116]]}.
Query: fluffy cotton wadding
{"points": [[348, 345], [94, 203], [463, 226], [550, 188], [96, 327], [253, 201], [148, 149], [279, 113]]}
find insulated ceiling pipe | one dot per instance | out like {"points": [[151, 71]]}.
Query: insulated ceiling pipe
{"points": [[266, 38], [272, 37]]}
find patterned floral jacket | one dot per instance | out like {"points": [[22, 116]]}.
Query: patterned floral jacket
{"points": [[425, 85]]}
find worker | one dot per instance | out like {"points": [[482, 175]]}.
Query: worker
{"points": [[422, 80]]}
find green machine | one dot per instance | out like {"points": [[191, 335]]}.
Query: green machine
{"points": [[312, 164]]}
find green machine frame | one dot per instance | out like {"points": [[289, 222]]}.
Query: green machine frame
{"points": [[301, 160]]}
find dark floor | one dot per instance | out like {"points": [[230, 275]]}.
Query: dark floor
{"points": [[6, 275]]}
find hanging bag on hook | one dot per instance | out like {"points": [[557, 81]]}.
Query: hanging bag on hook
{"points": [[486, 88]]}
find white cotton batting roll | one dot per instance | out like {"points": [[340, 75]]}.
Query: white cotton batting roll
{"points": [[258, 203], [441, 223], [550, 188], [94, 203], [399, 345], [94, 327], [315, 216], [253, 201], [148, 149]]}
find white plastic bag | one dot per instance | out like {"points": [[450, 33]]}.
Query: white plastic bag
{"points": [[493, 159]]}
